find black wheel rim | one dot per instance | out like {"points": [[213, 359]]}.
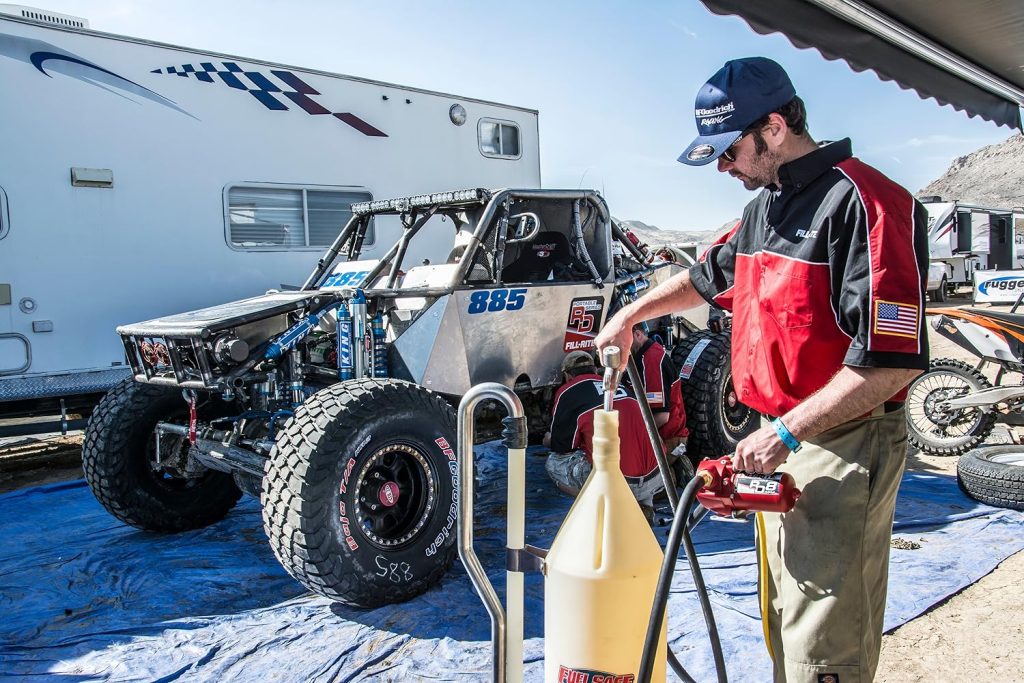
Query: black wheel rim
{"points": [[395, 494], [735, 415], [926, 416]]}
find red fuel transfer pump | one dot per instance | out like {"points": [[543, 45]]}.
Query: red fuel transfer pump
{"points": [[726, 491]]}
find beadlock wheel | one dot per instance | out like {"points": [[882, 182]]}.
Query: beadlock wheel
{"points": [[396, 495]]}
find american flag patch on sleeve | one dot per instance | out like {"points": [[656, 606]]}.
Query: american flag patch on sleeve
{"points": [[900, 320]]}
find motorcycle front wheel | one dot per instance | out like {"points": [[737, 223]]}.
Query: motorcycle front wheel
{"points": [[937, 429]]}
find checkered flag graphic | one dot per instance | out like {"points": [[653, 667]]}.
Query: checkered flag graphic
{"points": [[269, 90]]}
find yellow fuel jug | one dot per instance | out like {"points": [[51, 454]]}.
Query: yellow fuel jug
{"points": [[601, 573]]}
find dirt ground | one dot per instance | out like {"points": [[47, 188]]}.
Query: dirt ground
{"points": [[976, 635]]}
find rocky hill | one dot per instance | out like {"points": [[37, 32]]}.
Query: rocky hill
{"points": [[990, 176], [656, 237]]}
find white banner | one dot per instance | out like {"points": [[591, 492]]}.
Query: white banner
{"points": [[998, 286]]}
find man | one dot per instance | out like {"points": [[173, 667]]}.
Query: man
{"points": [[825, 276], [662, 387], [572, 433]]}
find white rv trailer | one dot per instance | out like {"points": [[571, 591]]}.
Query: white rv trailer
{"points": [[140, 179], [965, 238]]}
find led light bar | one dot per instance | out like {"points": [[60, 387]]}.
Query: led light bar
{"points": [[401, 204]]}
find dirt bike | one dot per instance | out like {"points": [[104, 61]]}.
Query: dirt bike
{"points": [[953, 406]]}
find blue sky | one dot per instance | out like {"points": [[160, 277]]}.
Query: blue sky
{"points": [[614, 82]]}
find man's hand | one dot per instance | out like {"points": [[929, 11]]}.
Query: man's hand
{"points": [[851, 393], [760, 453], [675, 294], [616, 332]]}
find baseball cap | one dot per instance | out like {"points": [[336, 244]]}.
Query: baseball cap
{"points": [[577, 359], [740, 93]]}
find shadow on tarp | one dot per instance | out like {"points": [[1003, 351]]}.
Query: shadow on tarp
{"points": [[88, 598]]}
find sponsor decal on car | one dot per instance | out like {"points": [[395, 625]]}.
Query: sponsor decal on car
{"points": [[583, 324]]}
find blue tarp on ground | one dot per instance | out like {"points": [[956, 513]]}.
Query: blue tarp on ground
{"points": [[86, 598]]}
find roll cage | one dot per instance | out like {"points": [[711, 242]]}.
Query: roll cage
{"points": [[500, 231]]}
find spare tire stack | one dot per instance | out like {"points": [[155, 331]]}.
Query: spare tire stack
{"points": [[993, 475]]}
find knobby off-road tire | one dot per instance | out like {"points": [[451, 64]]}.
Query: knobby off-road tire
{"points": [[951, 432], [993, 475], [118, 456], [360, 497], [716, 419]]}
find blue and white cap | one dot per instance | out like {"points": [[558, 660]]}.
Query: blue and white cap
{"points": [[740, 93]]}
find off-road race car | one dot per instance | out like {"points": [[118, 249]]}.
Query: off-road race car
{"points": [[333, 403]]}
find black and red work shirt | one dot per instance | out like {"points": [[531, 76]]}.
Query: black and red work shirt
{"points": [[662, 386], [572, 424], [827, 270]]}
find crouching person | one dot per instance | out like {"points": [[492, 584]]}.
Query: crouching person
{"points": [[572, 433], [663, 388]]}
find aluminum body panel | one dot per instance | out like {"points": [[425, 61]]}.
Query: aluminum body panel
{"points": [[416, 344], [453, 349]]}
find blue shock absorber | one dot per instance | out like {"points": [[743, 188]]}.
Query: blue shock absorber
{"points": [[346, 368], [295, 334], [380, 358]]}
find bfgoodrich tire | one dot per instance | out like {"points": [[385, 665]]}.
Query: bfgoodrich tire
{"points": [[132, 480], [714, 415], [360, 496], [993, 475]]}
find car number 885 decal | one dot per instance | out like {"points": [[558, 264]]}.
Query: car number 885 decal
{"points": [[494, 300]]}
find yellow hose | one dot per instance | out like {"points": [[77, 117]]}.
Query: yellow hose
{"points": [[762, 582]]}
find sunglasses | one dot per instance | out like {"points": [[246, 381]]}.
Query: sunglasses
{"points": [[730, 154]]}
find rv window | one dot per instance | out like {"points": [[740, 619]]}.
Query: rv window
{"points": [[275, 217], [3, 214], [499, 139]]}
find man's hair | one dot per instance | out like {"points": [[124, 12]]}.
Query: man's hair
{"points": [[795, 114], [582, 370], [639, 327]]}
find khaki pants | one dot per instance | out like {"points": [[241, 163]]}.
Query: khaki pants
{"points": [[828, 559]]}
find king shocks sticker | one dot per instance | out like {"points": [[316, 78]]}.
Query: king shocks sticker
{"points": [[583, 324]]}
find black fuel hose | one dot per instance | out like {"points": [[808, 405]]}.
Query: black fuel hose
{"points": [[680, 533]]}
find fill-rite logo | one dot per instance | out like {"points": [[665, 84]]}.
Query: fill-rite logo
{"points": [[568, 675]]}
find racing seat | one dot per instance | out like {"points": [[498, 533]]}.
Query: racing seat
{"points": [[546, 257]]}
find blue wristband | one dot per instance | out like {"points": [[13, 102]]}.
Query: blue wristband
{"points": [[786, 436]]}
